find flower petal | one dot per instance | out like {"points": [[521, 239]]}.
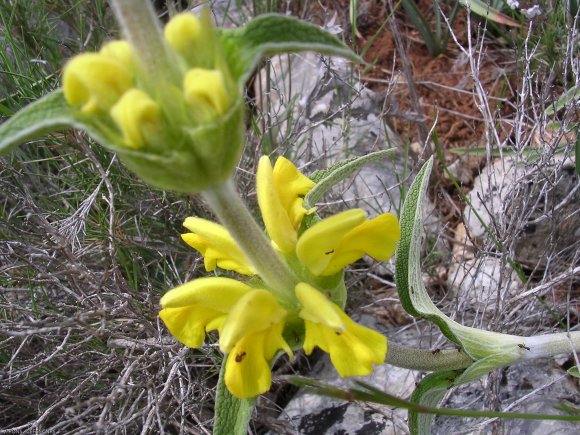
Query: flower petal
{"points": [[377, 237], [353, 348], [187, 324], [205, 91], [216, 293], [183, 32], [216, 245], [137, 116], [94, 81], [319, 242], [331, 244], [318, 308], [256, 311], [247, 369], [291, 185], [354, 352], [275, 216]]}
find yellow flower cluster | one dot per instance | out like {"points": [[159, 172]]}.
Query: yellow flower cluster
{"points": [[110, 85], [250, 320]]}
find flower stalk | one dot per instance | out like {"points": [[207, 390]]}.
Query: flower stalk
{"points": [[141, 28], [233, 213]]}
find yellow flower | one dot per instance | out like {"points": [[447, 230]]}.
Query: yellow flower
{"points": [[95, 82], [251, 328], [192, 308], [250, 322], [331, 244], [183, 32], [353, 349], [324, 249], [205, 92], [119, 50], [251, 337], [137, 116], [280, 196], [216, 245]]}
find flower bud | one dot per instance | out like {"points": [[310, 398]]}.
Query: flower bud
{"points": [[206, 93], [182, 33], [120, 51], [95, 82], [137, 116]]}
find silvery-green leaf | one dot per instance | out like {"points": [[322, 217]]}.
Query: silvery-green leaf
{"points": [[270, 34], [476, 343], [327, 178], [429, 392], [232, 415]]}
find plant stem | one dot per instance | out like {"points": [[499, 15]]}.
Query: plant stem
{"points": [[232, 212], [142, 29], [419, 359], [550, 344]]}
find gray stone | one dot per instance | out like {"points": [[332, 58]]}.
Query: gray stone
{"points": [[533, 205], [531, 387], [321, 114], [480, 283]]}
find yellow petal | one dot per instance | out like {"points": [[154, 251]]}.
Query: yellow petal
{"points": [[205, 92], [291, 185], [258, 310], [187, 324], [318, 308], [216, 293], [138, 117], [274, 341], [276, 219], [248, 364], [94, 82], [119, 50], [354, 352], [183, 32], [247, 369], [353, 348], [331, 244], [318, 243], [377, 237], [216, 245]]}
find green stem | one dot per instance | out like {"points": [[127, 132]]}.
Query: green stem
{"points": [[142, 29], [232, 212], [426, 360], [548, 345]]}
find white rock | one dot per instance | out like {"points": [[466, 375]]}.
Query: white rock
{"points": [[480, 283]]}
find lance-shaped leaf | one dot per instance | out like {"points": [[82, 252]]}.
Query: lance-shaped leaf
{"points": [[232, 415], [50, 113], [428, 393], [483, 9], [328, 178], [270, 34], [489, 349]]}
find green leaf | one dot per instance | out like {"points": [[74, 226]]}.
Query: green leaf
{"points": [[571, 95], [232, 415], [423, 27], [48, 114], [429, 392], [573, 371], [270, 34], [329, 177], [476, 343], [484, 10]]}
